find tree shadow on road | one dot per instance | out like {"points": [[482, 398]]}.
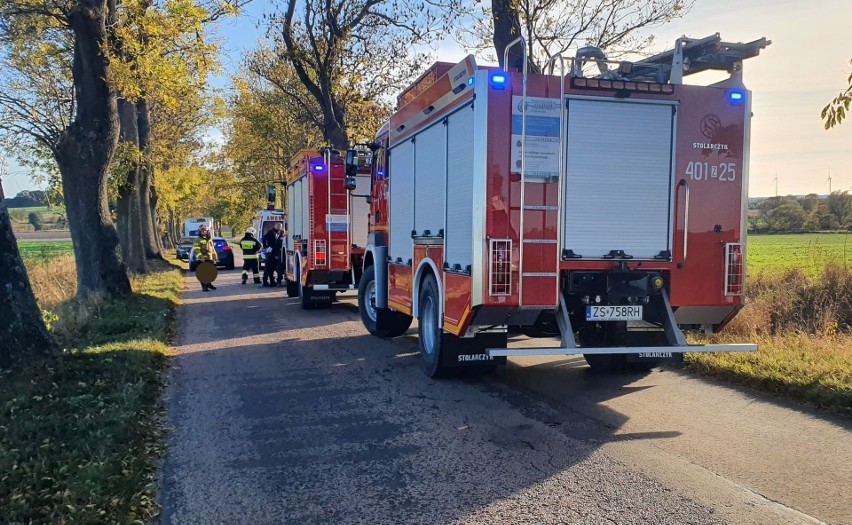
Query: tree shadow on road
{"points": [[316, 421]]}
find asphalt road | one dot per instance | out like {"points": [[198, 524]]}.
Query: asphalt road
{"points": [[50, 235], [285, 416]]}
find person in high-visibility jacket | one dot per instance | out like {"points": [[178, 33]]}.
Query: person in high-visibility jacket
{"points": [[251, 248], [204, 250]]}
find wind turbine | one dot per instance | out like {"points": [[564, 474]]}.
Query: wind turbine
{"points": [[775, 180], [829, 181]]}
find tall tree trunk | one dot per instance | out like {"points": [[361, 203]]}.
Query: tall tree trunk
{"points": [[150, 232], [507, 27], [84, 154], [129, 203], [22, 330]]}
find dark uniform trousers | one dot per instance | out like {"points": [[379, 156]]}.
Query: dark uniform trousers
{"points": [[250, 247]]}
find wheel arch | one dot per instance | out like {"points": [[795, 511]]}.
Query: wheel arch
{"points": [[426, 267]]}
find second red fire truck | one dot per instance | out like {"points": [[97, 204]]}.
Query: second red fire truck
{"points": [[326, 226], [604, 205]]}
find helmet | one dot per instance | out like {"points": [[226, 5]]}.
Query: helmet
{"points": [[250, 230]]}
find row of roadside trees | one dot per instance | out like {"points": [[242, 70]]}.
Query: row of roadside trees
{"points": [[103, 96], [798, 214]]}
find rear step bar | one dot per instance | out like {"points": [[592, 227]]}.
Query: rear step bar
{"points": [[495, 352], [677, 341]]}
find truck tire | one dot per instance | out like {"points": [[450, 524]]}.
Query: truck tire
{"points": [[609, 334], [292, 288], [429, 330], [305, 298], [380, 322]]}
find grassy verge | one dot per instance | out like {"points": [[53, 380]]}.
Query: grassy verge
{"points": [[79, 437], [803, 326], [800, 367]]}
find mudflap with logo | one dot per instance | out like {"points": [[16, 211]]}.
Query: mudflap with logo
{"points": [[322, 297], [657, 358], [471, 351]]}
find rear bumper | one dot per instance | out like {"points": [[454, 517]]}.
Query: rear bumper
{"points": [[495, 352]]}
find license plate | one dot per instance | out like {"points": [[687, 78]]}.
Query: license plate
{"points": [[613, 313]]}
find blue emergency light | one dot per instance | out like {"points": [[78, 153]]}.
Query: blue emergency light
{"points": [[736, 97], [319, 167], [499, 80]]}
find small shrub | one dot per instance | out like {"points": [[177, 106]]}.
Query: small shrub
{"points": [[34, 219]]}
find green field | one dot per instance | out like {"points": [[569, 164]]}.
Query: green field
{"points": [[768, 254], [48, 218], [43, 251]]}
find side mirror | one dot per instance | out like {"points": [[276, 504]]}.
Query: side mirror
{"points": [[351, 163], [349, 183]]}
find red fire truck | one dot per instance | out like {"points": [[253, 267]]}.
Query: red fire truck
{"points": [[327, 226], [602, 206]]}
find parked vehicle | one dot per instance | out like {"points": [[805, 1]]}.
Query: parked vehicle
{"points": [[223, 251], [327, 232], [605, 207], [263, 222], [191, 225], [184, 247]]}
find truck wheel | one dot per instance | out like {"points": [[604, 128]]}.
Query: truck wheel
{"points": [[429, 330], [292, 288], [604, 363], [305, 293], [380, 322], [610, 334]]}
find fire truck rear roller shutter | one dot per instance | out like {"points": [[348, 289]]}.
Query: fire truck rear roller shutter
{"points": [[618, 178], [459, 238], [401, 176]]}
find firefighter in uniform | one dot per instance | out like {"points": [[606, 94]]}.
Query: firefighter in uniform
{"points": [[270, 242], [205, 250], [251, 248]]}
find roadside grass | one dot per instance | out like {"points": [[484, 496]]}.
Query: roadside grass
{"points": [[80, 434], [803, 326]]}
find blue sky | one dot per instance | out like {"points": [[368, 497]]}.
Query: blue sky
{"points": [[805, 67]]}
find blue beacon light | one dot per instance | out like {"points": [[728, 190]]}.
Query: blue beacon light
{"points": [[319, 167], [736, 97], [498, 80]]}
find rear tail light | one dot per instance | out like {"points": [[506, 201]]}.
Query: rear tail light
{"points": [[500, 267], [319, 253], [226, 248], [734, 269]]}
